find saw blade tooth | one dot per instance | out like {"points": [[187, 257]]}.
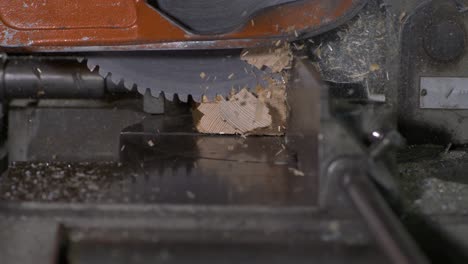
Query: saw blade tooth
{"points": [[122, 83], [102, 73], [91, 66], [142, 90], [116, 79], [128, 84], [187, 98], [133, 88], [190, 98], [169, 96], [183, 97], [155, 93], [195, 98]]}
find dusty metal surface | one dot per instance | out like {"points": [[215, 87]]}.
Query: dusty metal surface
{"points": [[25, 237], [162, 161], [97, 25], [49, 132], [433, 179], [123, 234], [199, 170], [179, 195], [435, 187], [436, 115], [224, 253]]}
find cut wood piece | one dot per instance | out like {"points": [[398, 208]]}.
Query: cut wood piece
{"points": [[276, 59], [241, 114], [263, 112], [275, 98], [212, 122], [244, 112]]}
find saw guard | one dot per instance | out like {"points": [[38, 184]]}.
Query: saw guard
{"points": [[95, 25]]}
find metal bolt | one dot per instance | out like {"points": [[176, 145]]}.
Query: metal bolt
{"points": [[445, 41], [423, 92]]}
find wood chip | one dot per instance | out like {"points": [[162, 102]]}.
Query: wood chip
{"points": [[191, 195], [276, 58], [276, 99], [374, 67], [297, 172]]}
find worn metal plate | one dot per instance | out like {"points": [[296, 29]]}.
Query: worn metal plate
{"points": [[444, 93], [50, 132], [55, 14], [416, 121], [28, 242]]}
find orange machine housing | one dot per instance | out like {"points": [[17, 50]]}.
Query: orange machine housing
{"points": [[94, 25]]}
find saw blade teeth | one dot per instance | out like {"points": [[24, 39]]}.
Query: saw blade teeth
{"points": [[122, 83], [116, 79], [177, 98], [133, 88], [100, 71], [155, 93], [190, 98], [176, 73], [104, 74], [128, 84], [141, 90], [91, 66], [183, 97], [194, 98], [169, 96], [187, 98]]}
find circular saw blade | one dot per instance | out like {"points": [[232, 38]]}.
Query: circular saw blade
{"points": [[181, 73]]}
